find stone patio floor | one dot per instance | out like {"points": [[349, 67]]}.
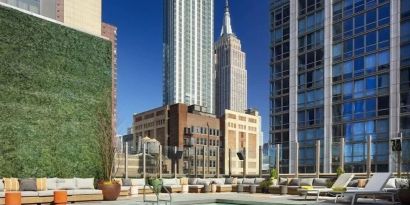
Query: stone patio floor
{"points": [[226, 198]]}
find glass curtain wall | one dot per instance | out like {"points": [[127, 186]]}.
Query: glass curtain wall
{"points": [[361, 56], [279, 97]]}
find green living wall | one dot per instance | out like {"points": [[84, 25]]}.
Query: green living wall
{"points": [[53, 82]]}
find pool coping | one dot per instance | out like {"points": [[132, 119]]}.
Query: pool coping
{"points": [[228, 201]]}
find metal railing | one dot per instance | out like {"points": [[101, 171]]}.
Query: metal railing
{"points": [[157, 195]]}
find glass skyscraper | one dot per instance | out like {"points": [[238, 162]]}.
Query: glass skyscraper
{"points": [[188, 53], [340, 69]]}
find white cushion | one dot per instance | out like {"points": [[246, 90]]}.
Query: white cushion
{"points": [[168, 182], [248, 181], [1, 186], [173, 186], [391, 183], [224, 185], [51, 183], [137, 182], [29, 193], [203, 182], [219, 180], [192, 181], [66, 184], [196, 186], [1, 194], [125, 188], [46, 193], [134, 190], [84, 183], [86, 192]]}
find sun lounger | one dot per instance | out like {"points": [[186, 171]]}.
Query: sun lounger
{"points": [[375, 187], [338, 187]]}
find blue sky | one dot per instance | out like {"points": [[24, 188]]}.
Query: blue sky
{"points": [[140, 26]]}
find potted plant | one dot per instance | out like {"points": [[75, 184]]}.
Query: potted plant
{"points": [[273, 177], [110, 188], [264, 185], [404, 191]]}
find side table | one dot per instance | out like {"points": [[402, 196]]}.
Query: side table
{"points": [[240, 188], [184, 189], [13, 198], [283, 189], [60, 197], [252, 189]]}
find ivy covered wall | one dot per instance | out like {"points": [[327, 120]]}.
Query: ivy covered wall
{"points": [[53, 80]]}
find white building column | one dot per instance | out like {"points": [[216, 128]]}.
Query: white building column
{"points": [[293, 83], [327, 138], [394, 127]]}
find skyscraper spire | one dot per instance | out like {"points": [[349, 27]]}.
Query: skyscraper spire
{"points": [[226, 27]]}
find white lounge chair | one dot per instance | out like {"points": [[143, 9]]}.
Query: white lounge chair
{"points": [[374, 187], [341, 182]]}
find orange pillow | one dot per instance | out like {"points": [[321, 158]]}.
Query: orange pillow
{"points": [[11, 184], [41, 184], [361, 183]]}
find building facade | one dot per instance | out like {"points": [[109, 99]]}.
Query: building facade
{"points": [[82, 15], [241, 132], [110, 32], [338, 70], [230, 68], [188, 53]]}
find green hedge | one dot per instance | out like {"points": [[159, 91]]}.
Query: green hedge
{"points": [[53, 79]]}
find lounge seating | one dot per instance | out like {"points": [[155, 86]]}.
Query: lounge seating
{"points": [[78, 189], [374, 187], [339, 186], [172, 185]]}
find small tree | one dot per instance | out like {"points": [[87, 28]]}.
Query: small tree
{"points": [[274, 174], [106, 140]]}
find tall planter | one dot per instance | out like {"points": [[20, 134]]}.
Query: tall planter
{"points": [[110, 191], [404, 196]]}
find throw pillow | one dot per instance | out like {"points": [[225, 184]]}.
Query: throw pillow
{"points": [[41, 184], [361, 183], [203, 182], [259, 180], [402, 183], [183, 181], [283, 181], [1, 186], [353, 183], [306, 182], [85, 183], [294, 182], [192, 181], [248, 181], [320, 182], [231, 180], [66, 184], [239, 181], [391, 183], [137, 182], [51, 184], [11, 184], [126, 182], [307, 187], [28, 185]]}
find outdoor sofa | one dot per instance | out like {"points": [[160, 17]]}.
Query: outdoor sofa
{"points": [[132, 186], [37, 191]]}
